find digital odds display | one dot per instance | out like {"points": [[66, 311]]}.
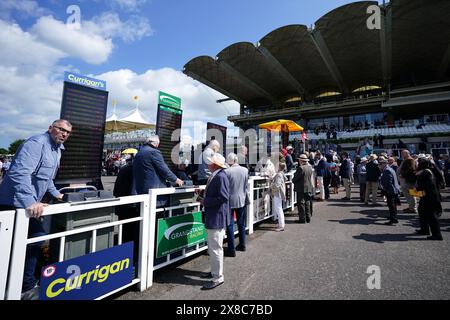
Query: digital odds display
{"points": [[167, 121], [85, 108]]}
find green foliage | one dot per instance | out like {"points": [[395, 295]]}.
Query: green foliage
{"points": [[15, 145], [3, 151]]}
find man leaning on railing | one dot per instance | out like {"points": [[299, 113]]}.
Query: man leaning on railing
{"points": [[30, 176]]}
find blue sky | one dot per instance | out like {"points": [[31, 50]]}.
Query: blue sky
{"points": [[137, 46]]}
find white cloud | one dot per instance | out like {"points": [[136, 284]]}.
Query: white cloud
{"points": [[128, 5], [28, 103], [31, 92], [81, 43], [109, 25], [20, 48], [198, 101], [25, 8]]}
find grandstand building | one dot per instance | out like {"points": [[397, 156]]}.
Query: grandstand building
{"points": [[362, 70]]}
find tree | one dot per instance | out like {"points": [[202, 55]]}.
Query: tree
{"points": [[15, 145], [3, 151]]}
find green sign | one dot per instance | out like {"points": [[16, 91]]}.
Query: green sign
{"points": [[179, 232], [169, 100], [170, 110]]}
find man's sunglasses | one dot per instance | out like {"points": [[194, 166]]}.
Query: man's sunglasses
{"points": [[62, 130]]}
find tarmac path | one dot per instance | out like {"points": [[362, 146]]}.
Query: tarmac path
{"points": [[326, 259]]}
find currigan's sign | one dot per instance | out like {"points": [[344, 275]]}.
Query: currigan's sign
{"points": [[85, 81], [88, 277]]}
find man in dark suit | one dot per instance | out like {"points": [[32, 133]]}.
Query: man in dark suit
{"points": [[216, 206], [303, 185], [150, 171], [123, 188], [390, 187]]}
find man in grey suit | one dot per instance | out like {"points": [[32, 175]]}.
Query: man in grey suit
{"points": [[238, 177], [305, 190]]}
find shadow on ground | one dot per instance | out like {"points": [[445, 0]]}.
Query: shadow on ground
{"points": [[388, 237]]}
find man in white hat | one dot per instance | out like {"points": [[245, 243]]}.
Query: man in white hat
{"points": [[305, 189], [216, 206], [289, 160]]}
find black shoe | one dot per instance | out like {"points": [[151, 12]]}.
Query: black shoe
{"points": [[421, 232], [435, 238], [240, 248], [229, 254], [390, 223], [308, 220], [211, 285], [207, 276], [301, 221]]}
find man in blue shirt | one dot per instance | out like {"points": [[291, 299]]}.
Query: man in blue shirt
{"points": [[29, 177]]}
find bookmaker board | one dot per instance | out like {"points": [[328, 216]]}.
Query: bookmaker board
{"points": [[168, 120], [84, 105]]}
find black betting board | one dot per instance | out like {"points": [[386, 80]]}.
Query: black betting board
{"points": [[167, 121], [85, 108], [212, 131]]}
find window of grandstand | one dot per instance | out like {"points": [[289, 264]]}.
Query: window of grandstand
{"points": [[294, 99], [366, 88], [328, 94]]}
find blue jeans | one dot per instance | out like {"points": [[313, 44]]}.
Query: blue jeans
{"points": [[36, 229], [241, 219]]}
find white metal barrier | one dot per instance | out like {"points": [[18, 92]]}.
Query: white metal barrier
{"points": [[21, 240], [260, 207], [291, 196], [167, 212], [258, 210], [6, 236]]}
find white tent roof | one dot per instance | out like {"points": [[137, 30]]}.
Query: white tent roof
{"points": [[134, 121], [112, 118], [135, 117]]}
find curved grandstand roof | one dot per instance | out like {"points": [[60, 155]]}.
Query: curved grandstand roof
{"points": [[341, 54]]}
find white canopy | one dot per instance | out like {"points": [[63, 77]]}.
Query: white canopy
{"points": [[134, 121]]}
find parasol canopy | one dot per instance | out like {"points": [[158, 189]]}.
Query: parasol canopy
{"points": [[281, 125], [130, 151]]}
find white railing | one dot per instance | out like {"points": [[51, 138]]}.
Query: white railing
{"points": [[14, 231], [6, 236], [260, 207], [169, 212], [21, 240]]}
